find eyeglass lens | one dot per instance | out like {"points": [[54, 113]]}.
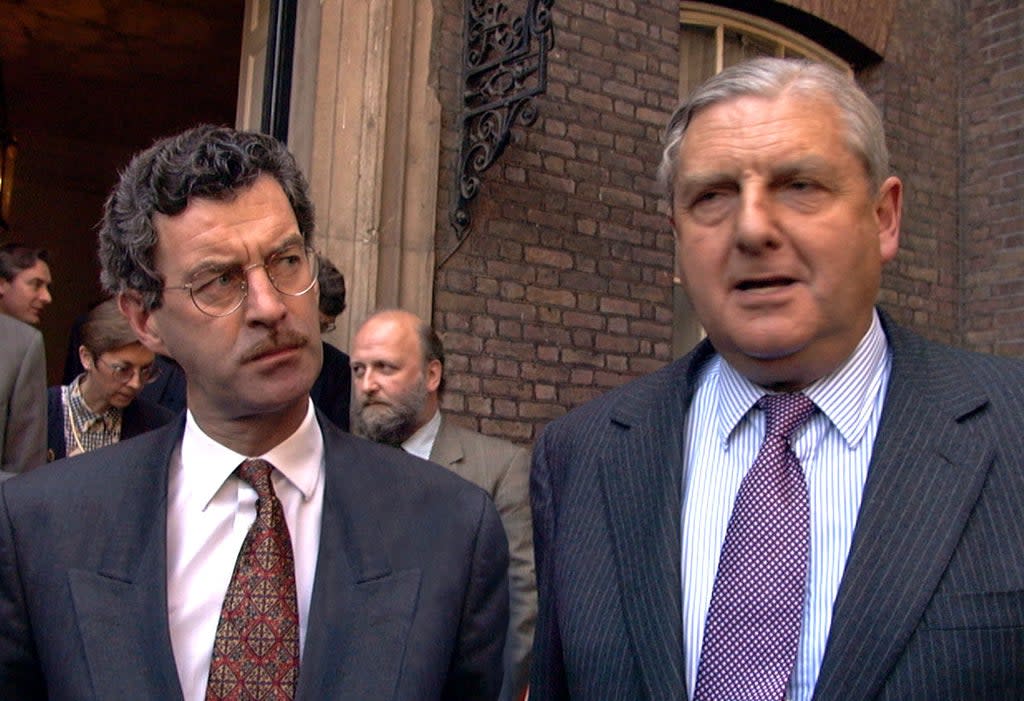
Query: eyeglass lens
{"points": [[291, 272], [124, 373]]}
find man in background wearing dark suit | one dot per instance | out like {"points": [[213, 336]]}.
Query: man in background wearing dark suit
{"points": [[332, 391], [398, 375], [896, 491], [250, 549]]}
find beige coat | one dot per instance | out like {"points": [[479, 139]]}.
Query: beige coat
{"points": [[22, 397]]}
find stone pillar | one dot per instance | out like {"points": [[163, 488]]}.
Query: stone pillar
{"points": [[375, 149]]}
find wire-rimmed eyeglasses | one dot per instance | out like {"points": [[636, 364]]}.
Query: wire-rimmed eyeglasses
{"points": [[124, 373], [220, 291]]}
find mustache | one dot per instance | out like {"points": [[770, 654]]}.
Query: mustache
{"points": [[280, 340]]}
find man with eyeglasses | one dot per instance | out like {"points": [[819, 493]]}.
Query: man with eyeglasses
{"points": [[250, 549], [332, 391]]}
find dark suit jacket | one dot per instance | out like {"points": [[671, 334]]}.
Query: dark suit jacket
{"points": [[332, 391], [931, 605], [138, 417], [169, 388], [410, 599], [502, 469]]}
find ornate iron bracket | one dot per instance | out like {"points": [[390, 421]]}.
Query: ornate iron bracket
{"points": [[505, 67]]}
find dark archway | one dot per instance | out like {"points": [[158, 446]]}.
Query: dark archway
{"points": [[87, 84]]}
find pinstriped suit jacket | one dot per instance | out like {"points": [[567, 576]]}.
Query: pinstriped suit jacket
{"points": [[931, 604]]}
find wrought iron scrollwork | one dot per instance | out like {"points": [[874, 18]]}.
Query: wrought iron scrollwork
{"points": [[505, 67]]}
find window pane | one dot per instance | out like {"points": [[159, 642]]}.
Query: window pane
{"points": [[739, 46], [698, 47]]}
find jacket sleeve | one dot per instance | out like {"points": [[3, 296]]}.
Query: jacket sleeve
{"points": [[512, 498], [20, 673], [24, 444], [547, 677], [476, 671]]}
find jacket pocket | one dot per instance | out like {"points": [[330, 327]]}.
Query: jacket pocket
{"points": [[972, 611]]}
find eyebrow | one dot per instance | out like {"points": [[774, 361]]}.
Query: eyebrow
{"points": [[693, 183], [812, 163], [293, 239]]}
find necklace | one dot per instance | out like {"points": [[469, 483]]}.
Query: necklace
{"points": [[77, 431], [79, 448]]}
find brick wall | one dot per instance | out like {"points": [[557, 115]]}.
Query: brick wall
{"points": [[992, 195], [916, 89], [563, 289]]}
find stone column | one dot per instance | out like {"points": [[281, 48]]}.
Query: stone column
{"points": [[375, 148]]}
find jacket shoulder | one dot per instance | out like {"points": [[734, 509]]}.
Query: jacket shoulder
{"points": [[96, 475], [636, 402], [476, 441], [384, 470]]}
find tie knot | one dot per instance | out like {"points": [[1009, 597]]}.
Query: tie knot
{"points": [[256, 473], [784, 413]]}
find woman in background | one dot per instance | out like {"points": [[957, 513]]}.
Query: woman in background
{"points": [[100, 407]]}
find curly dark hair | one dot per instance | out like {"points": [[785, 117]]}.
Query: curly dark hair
{"points": [[207, 161], [332, 288]]}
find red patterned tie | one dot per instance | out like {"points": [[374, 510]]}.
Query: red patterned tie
{"points": [[753, 624], [256, 651]]}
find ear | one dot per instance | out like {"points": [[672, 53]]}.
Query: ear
{"points": [[888, 212], [677, 264], [434, 371], [142, 321], [86, 357]]}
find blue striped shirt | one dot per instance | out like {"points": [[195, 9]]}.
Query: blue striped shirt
{"points": [[723, 436]]}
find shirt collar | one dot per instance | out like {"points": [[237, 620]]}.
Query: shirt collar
{"points": [[846, 396], [422, 442], [207, 464], [85, 416]]}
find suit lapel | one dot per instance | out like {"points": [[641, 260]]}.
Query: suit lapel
{"points": [[122, 607], [447, 449], [361, 611], [926, 473], [641, 476]]}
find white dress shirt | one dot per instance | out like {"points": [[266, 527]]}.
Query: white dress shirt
{"points": [[723, 436], [209, 511], [422, 442]]}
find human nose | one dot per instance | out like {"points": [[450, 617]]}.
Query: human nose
{"points": [[263, 302], [135, 381], [755, 221], [45, 295], [367, 382]]}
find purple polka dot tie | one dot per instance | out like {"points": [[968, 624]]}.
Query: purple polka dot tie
{"points": [[256, 650], [753, 623]]}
